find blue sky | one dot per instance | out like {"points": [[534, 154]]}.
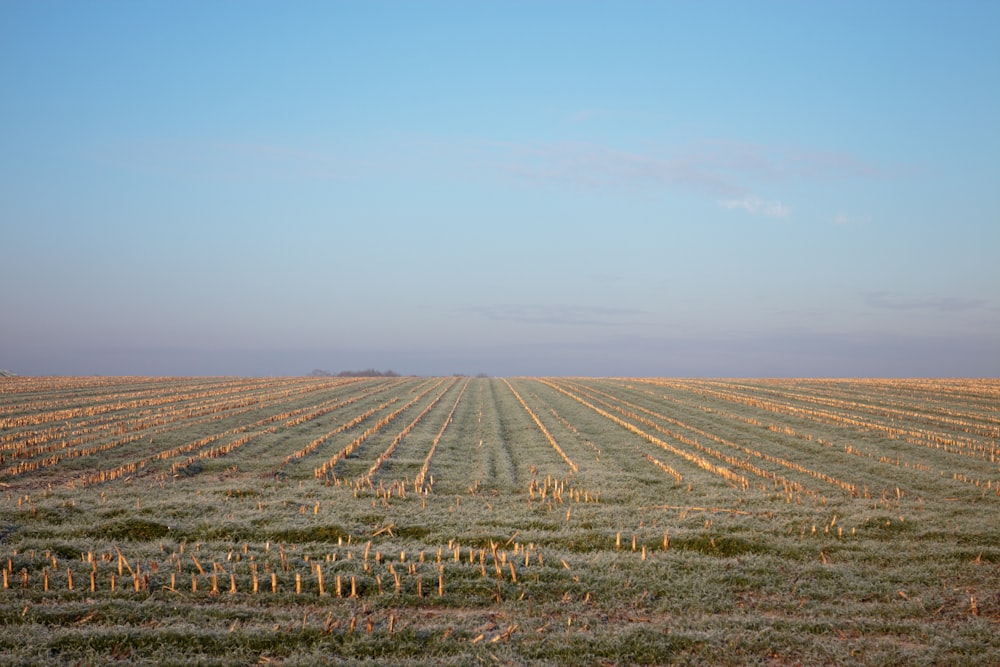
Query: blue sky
{"points": [[592, 188]]}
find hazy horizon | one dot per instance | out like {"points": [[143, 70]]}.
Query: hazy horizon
{"points": [[724, 189]]}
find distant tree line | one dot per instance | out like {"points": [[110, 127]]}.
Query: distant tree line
{"points": [[367, 373]]}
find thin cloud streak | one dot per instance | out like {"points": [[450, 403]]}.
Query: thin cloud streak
{"points": [[726, 171], [716, 168], [779, 163], [557, 314], [757, 206], [729, 172], [593, 166], [843, 219], [946, 304]]}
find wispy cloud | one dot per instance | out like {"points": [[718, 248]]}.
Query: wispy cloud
{"points": [[735, 175], [847, 220], [776, 163], [595, 166], [557, 314], [943, 304], [827, 165], [757, 206], [732, 173]]}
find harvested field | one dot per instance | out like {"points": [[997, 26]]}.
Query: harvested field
{"points": [[453, 520]]}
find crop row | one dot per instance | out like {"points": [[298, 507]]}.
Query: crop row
{"points": [[852, 448], [649, 409], [985, 448], [129, 429], [326, 470], [348, 570]]}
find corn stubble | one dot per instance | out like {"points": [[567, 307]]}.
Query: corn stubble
{"points": [[457, 520]]}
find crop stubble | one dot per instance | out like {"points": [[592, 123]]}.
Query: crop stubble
{"points": [[555, 520]]}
